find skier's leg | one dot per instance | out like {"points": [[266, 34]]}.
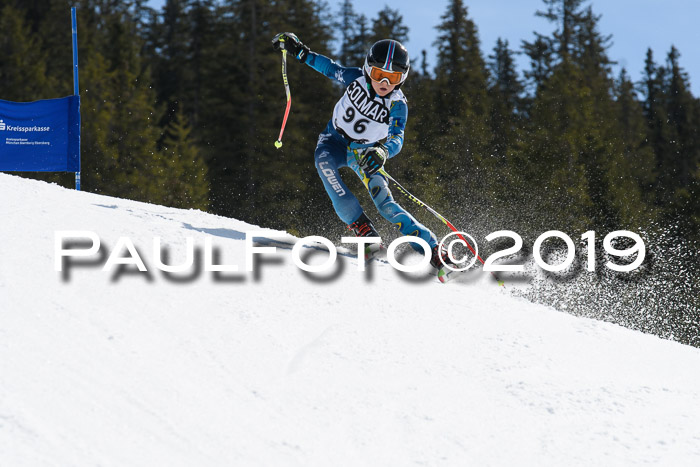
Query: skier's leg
{"points": [[378, 188], [330, 156]]}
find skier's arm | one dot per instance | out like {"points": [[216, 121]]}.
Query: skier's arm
{"points": [[324, 65], [331, 69], [397, 124]]}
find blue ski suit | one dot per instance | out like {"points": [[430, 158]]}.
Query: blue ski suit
{"points": [[360, 119]]}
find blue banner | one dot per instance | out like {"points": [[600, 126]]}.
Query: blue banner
{"points": [[41, 136]]}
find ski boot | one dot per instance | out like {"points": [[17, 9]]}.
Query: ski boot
{"points": [[442, 262], [363, 227]]}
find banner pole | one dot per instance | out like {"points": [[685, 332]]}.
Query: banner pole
{"points": [[76, 87]]}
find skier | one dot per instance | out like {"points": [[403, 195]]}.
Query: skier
{"points": [[373, 108]]}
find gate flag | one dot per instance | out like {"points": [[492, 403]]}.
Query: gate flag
{"points": [[41, 136]]}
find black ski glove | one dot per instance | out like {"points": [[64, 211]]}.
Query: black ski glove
{"points": [[373, 159], [290, 42]]}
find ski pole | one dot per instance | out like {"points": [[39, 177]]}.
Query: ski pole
{"points": [[427, 208], [438, 215], [278, 143]]}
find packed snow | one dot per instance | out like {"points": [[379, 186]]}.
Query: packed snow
{"points": [[283, 367]]}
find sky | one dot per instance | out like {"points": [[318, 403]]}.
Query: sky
{"points": [[635, 25]]}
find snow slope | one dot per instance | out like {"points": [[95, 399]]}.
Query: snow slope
{"points": [[277, 368]]}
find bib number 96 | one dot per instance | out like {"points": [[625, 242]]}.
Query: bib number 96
{"points": [[360, 126]]}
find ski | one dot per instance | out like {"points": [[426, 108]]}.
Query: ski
{"points": [[374, 251], [446, 274]]}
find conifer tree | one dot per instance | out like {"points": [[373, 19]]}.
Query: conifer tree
{"points": [[389, 25], [567, 15], [52, 29], [354, 36], [461, 132], [416, 164], [639, 154], [677, 165], [506, 121], [172, 67], [573, 129], [246, 169], [658, 128], [424, 65], [202, 55], [347, 25], [22, 60], [506, 95], [119, 117], [180, 45], [541, 55], [361, 42], [181, 174], [590, 47]]}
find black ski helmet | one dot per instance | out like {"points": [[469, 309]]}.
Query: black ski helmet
{"points": [[389, 55]]}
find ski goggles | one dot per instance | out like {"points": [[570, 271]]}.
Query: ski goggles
{"points": [[377, 74]]}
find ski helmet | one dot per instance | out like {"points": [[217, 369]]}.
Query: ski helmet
{"points": [[387, 60]]}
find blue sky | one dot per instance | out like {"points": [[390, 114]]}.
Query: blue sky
{"points": [[634, 24]]}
